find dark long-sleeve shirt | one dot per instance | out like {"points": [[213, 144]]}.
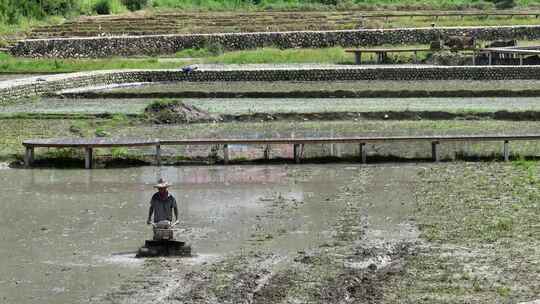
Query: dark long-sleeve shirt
{"points": [[163, 209]]}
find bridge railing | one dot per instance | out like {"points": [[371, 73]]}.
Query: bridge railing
{"points": [[298, 144]]}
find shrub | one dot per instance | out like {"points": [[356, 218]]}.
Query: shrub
{"points": [[101, 132], [193, 53], [11, 11], [214, 48], [106, 7], [119, 152], [504, 4], [135, 5], [59, 7]]}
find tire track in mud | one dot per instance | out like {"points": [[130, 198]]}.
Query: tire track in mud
{"points": [[368, 242]]}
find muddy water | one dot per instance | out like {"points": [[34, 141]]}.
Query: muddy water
{"points": [[69, 235]]}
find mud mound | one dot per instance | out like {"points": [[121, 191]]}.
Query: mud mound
{"points": [[170, 112]]}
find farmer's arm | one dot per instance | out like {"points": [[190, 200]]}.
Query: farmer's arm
{"points": [[175, 210], [150, 212]]}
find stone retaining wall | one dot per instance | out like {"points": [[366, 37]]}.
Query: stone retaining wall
{"points": [[169, 44], [13, 89]]}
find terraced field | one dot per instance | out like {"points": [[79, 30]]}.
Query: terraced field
{"points": [[202, 22], [169, 22]]}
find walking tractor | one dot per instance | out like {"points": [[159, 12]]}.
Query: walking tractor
{"points": [[164, 243]]}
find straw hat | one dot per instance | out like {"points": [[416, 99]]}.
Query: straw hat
{"points": [[162, 184]]}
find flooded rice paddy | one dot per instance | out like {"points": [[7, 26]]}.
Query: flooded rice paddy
{"points": [[290, 86], [69, 235], [243, 106]]}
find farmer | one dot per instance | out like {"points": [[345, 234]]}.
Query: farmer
{"points": [[162, 204]]}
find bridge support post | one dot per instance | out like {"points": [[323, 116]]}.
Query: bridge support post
{"points": [[358, 57], [28, 156], [296, 152], [88, 151], [226, 154], [435, 151], [158, 155], [506, 151], [363, 152], [267, 152]]}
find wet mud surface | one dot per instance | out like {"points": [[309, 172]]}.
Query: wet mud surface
{"points": [[261, 234], [351, 87], [343, 233], [480, 224], [336, 243]]}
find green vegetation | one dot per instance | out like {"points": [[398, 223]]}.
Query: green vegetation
{"points": [[13, 11], [211, 49], [162, 104], [9, 64], [107, 7], [272, 55], [193, 53]]}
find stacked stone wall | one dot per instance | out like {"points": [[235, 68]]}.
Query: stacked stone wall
{"points": [[151, 45], [35, 86]]}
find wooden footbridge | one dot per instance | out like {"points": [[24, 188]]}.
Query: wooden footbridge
{"points": [[88, 144]]}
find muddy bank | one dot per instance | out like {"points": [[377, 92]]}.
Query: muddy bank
{"points": [[192, 115], [305, 94], [385, 115]]}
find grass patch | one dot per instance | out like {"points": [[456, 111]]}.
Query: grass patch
{"points": [[273, 55], [10, 64], [193, 53], [162, 104]]}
